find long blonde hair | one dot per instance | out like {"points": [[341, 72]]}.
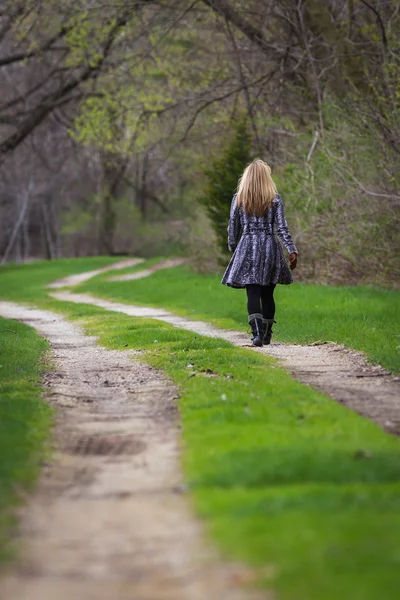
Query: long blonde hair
{"points": [[256, 189]]}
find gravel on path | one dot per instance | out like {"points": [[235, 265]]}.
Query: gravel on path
{"points": [[343, 374], [164, 264], [72, 280], [108, 520]]}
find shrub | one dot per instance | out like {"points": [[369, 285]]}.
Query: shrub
{"points": [[222, 178]]}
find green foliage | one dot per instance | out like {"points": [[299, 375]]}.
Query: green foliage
{"points": [[24, 417], [107, 122], [37, 275], [78, 219], [85, 38], [343, 224], [131, 111], [222, 176]]}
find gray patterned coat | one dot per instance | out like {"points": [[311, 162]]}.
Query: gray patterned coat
{"points": [[257, 254]]}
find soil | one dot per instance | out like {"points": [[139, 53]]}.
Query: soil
{"points": [[109, 519]]}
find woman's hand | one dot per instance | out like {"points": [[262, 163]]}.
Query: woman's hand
{"points": [[293, 260]]}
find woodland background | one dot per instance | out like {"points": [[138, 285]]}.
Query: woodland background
{"points": [[116, 114]]}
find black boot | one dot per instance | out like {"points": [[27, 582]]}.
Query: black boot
{"points": [[267, 330], [255, 321]]}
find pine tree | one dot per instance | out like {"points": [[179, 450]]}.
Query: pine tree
{"points": [[223, 177]]}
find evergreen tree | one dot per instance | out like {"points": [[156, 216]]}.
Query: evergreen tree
{"points": [[222, 176]]}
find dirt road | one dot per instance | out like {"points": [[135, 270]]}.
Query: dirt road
{"points": [[108, 520], [343, 374]]}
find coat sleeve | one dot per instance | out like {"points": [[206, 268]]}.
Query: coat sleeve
{"points": [[234, 226], [282, 228]]}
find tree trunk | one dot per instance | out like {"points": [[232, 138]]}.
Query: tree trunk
{"points": [[18, 224], [48, 237], [107, 224]]}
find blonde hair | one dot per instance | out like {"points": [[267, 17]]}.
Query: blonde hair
{"points": [[256, 189]]}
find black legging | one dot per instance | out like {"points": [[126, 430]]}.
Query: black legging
{"points": [[260, 299]]}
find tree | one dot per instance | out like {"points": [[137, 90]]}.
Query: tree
{"points": [[222, 176], [108, 109]]}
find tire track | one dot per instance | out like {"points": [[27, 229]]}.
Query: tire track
{"points": [[108, 520], [343, 374]]}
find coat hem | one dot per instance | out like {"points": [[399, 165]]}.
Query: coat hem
{"points": [[242, 286]]}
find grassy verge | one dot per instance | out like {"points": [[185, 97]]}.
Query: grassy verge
{"points": [[285, 479], [24, 417], [27, 282], [362, 318]]}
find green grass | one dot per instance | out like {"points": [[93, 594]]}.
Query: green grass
{"points": [[362, 318], [26, 282], [24, 418], [285, 479]]}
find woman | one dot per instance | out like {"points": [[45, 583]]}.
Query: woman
{"points": [[258, 263]]}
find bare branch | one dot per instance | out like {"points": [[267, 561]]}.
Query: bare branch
{"points": [[242, 79], [313, 145], [380, 23], [22, 56], [148, 194], [376, 194], [62, 96], [250, 31], [221, 97]]}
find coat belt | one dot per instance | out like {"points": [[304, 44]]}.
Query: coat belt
{"points": [[260, 230]]}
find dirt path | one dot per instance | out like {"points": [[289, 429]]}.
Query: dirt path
{"points": [[72, 280], [343, 374], [164, 264], [108, 520]]}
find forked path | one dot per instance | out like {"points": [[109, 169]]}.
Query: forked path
{"points": [[108, 520], [72, 280]]}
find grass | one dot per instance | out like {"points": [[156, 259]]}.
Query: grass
{"points": [[27, 282], [299, 487], [285, 479], [362, 318], [24, 418]]}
